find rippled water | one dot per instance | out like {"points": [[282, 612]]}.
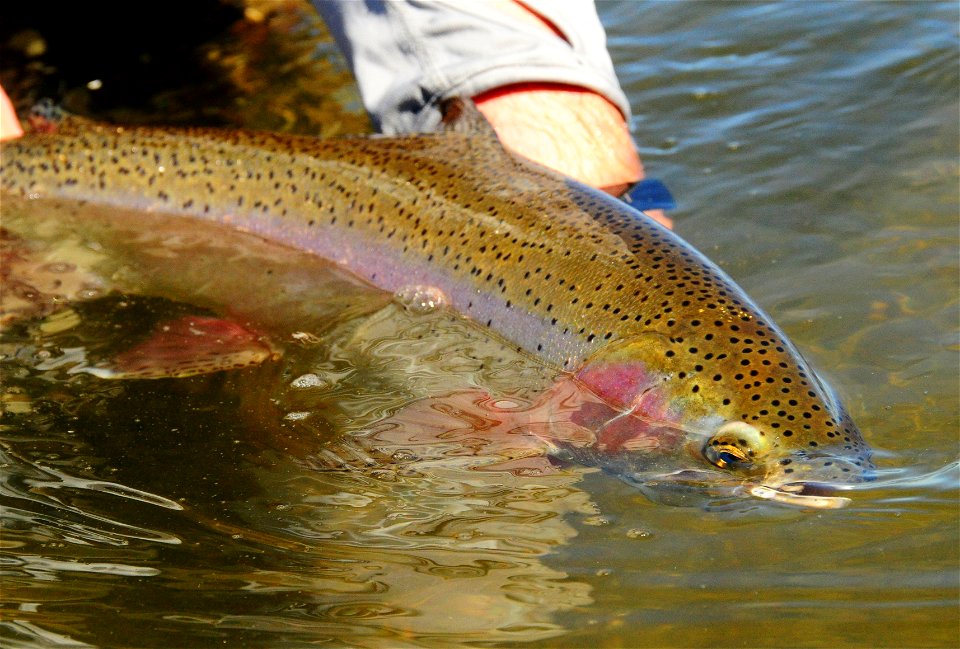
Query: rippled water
{"points": [[342, 495]]}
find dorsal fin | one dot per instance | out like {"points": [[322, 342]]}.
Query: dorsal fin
{"points": [[461, 115]]}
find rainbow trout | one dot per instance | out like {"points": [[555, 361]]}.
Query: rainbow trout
{"points": [[667, 349]]}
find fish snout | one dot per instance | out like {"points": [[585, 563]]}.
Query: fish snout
{"points": [[814, 480], [825, 466]]}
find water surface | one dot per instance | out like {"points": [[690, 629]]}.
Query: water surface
{"points": [[343, 494]]}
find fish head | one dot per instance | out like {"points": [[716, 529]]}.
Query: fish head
{"points": [[728, 406]]}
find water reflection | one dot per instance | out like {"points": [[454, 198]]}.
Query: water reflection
{"points": [[212, 469]]}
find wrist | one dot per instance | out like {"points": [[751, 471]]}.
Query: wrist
{"points": [[573, 130]]}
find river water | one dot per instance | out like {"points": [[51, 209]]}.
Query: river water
{"points": [[813, 150]]}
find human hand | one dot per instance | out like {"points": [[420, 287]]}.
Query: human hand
{"points": [[570, 129], [9, 124]]}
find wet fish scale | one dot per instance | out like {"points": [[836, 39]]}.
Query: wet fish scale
{"points": [[446, 213], [460, 212], [565, 272]]}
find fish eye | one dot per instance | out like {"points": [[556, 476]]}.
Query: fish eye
{"points": [[735, 445], [727, 457]]}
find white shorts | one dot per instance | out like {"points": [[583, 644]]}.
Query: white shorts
{"points": [[410, 55]]}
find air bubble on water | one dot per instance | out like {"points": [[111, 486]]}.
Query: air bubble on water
{"points": [[75, 356], [403, 455], [308, 381], [305, 338], [637, 533], [297, 415], [420, 298], [596, 521], [604, 572]]}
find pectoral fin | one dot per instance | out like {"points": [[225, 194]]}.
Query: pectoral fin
{"points": [[189, 346]]}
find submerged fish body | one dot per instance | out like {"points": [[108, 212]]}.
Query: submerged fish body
{"points": [[662, 342]]}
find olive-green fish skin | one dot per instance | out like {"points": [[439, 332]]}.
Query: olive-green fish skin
{"points": [[568, 273]]}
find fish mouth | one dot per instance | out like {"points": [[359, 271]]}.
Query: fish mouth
{"points": [[824, 476], [681, 488], [816, 495]]}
